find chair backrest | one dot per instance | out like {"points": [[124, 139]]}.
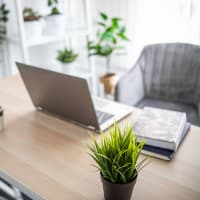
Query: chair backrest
{"points": [[171, 71]]}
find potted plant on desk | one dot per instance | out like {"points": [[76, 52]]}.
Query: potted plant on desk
{"points": [[110, 32], [116, 157], [32, 23]]}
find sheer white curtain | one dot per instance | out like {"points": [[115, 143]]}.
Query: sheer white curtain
{"points": [[164, 21], [194, 22]]}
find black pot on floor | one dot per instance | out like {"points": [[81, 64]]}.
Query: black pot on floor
{"points": [[113, 191]]}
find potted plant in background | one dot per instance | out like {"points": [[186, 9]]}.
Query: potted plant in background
{"points": [[55, 21], [4, 12], [116, 156], [110, 32], [32, 23], [66, 57]]}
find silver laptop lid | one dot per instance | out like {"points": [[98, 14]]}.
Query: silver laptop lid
{"points": [[60, 94]]}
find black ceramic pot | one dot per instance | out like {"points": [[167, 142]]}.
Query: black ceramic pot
{"points": [[113, 191]]}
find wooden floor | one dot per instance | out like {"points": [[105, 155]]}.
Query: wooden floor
{"points": [[50, 156]]}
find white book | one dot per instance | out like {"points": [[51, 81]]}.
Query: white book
{"points": [[160, 128], [161, 153]]}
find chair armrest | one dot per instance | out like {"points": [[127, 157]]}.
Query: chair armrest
{"points": [[130, 88]]}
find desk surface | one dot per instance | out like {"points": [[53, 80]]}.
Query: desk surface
{"points": [[50, 156]]}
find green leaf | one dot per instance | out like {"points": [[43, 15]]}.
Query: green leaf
{"points": [[116, 19], [122, 176], [122, 30], [115, 22], [101, 24], [123, 37], [114, 40], [52, 2], [49, 3], [55, 11], [3, 6], [107, 36], [104, 16], [4, 13]]}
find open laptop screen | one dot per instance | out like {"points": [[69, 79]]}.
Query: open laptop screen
{"points": [[60, 94]]}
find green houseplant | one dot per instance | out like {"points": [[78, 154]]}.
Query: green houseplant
{"points": [[54, 8], [66, 55], [32, 23], [109, 34], [4, 13], [55, 20], [116, 156]]}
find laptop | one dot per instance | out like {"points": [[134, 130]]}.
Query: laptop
{"points": [[68, 97]]}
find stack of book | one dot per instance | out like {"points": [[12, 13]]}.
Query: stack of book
{"points": [[163, 131]]}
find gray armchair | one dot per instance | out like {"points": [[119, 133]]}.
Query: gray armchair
{"points": [[165, 76]]}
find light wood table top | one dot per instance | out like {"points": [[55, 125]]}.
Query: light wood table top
{"points": [[50, 156]]}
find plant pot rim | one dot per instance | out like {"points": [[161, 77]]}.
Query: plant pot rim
{"points": [[134, 179], [108, 75], [53, 15], [66, 63], [29, 21]]}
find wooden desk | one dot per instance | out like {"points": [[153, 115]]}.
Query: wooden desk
{"points": [[50, 157]]}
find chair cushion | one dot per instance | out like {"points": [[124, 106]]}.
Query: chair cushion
{"points": [[190, 110]]}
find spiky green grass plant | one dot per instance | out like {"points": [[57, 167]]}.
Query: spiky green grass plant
{"points": [[116, 154]]}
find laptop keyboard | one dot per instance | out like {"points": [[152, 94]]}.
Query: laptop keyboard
{"points": [[102, 116]]}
